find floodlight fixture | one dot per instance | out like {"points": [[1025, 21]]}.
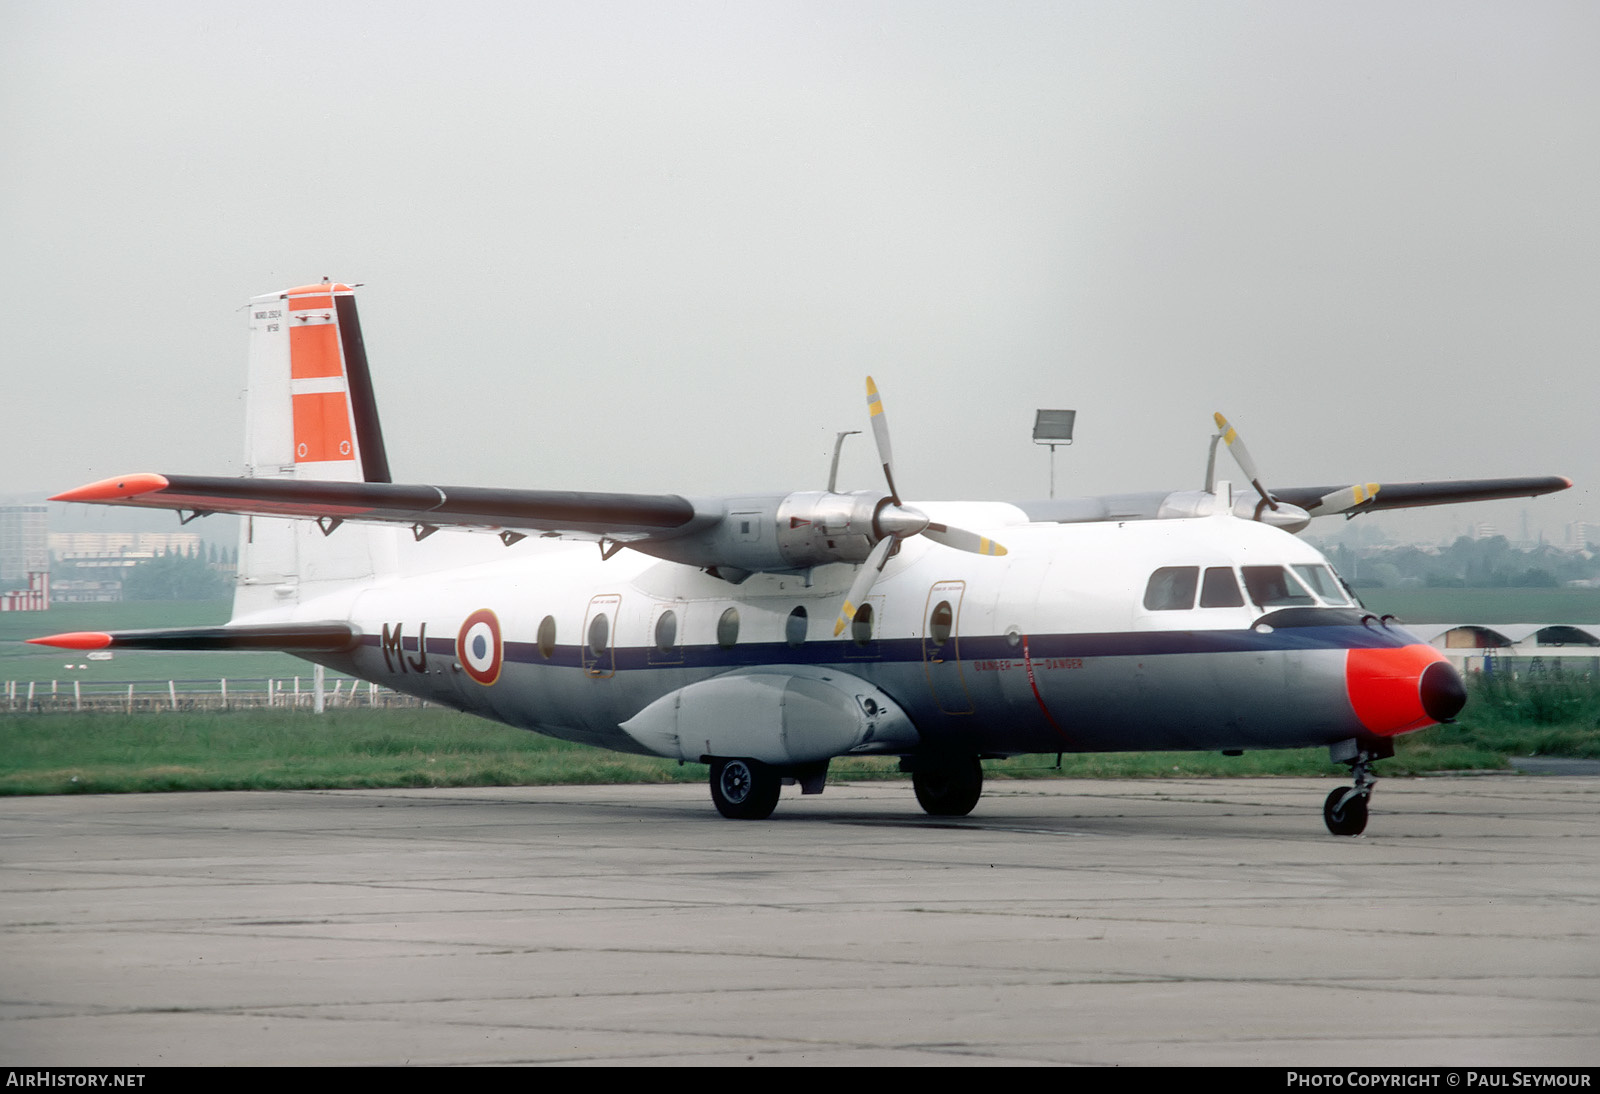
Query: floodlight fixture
{"points": [[1053, 427]]}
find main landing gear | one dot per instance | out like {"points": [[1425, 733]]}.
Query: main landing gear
{"points": [[745, 789], [1345, 810], [947, 786]]}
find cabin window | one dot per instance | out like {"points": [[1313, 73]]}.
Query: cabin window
{"points": [[1275, 587], [940, 623], [1323, 583], [861, 625], [547, 637], [728, 628], [1171, 588], [667, 631], [599, 634], [794, 630], [1220, 589]]}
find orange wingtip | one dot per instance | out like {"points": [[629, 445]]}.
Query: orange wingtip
{"points": [[127, 486], [76, 640]]}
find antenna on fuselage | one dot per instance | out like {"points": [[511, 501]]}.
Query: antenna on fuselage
{"points": [[838, 446]]}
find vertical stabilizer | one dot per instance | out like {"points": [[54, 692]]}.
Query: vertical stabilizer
{"points": [[310, 413]]}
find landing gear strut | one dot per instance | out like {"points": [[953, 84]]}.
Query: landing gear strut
{"points": [[1345, 810]]}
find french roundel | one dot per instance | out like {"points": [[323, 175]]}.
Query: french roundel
{"points": [[478, 646]]}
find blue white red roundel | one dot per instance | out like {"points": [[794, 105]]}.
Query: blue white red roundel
{"points": [[478, 646]]}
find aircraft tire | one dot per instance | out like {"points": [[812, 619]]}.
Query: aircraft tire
{"points": [[1351, 819], [744, 789], [949, 789]]}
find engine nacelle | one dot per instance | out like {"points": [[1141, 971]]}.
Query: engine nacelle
{"points": [[816, 527], [777, 534]]}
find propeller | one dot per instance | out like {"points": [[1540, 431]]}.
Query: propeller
{"points": [[1241, 456], [1291, 518], [1347, 498], [1343, 500], [896, 521]]}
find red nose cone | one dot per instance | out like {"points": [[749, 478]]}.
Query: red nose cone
{"points": [[1395, 691]]}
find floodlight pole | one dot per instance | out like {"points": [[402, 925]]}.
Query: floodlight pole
{"points": [[1053, 428]]}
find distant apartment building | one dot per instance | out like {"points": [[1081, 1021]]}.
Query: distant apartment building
{"points": [[24, 542], [1582, 536], [24, 558], [114, 550]]}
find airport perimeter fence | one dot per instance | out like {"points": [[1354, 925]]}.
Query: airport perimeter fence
{"points": [[135, 696]]}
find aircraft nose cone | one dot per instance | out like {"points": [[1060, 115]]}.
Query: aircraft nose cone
{"points": [[1398, 689], [1443, 692]]}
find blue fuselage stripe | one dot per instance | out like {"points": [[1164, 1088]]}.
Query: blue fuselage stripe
{"points": [[972, 648]]}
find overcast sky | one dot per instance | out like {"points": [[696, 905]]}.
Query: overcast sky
{"points": [[657, 246]]}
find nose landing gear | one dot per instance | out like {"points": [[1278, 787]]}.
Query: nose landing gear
{"points": [[1345, 810]]}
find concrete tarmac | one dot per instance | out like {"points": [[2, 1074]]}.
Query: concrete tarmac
{"points": [[1064, 922]]}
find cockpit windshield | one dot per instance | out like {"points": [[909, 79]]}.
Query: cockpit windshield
{"points": [[1324, 584], [1301, 585], [1275, 587]]}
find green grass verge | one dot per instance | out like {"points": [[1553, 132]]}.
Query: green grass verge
{"points": [[260, 750]]}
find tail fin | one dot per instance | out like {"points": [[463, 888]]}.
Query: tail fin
{"points": [[310, 409], [310, 413]]}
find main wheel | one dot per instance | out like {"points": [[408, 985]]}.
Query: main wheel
{"points": [[1347, 819], [950, 788], [744, 789]]}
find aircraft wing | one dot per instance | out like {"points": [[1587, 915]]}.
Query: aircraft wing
{"points": [[1409, 495], [560, 512]]}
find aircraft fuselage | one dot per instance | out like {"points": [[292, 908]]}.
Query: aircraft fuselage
{"points": [[1055, 647]]}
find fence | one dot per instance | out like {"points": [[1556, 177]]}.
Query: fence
{"points": [[129, 696]]}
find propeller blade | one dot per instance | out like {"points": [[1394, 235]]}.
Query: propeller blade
{"points": [[1241, 455], [1347, 498], [862, 585], [880, 434], [962, 540]]}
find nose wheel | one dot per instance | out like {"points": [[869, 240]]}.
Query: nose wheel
{"points": [[1345, 810]]}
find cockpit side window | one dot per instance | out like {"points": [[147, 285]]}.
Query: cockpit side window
{"points": [[1275, 587], [1323, 583], [1220, 589], [1171, 588]]}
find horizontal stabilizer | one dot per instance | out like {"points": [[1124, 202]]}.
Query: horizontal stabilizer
{"points": [[476, 507], [288, 637]]}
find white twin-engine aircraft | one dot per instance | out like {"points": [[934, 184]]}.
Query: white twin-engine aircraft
{"points": [[765, 635]]}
